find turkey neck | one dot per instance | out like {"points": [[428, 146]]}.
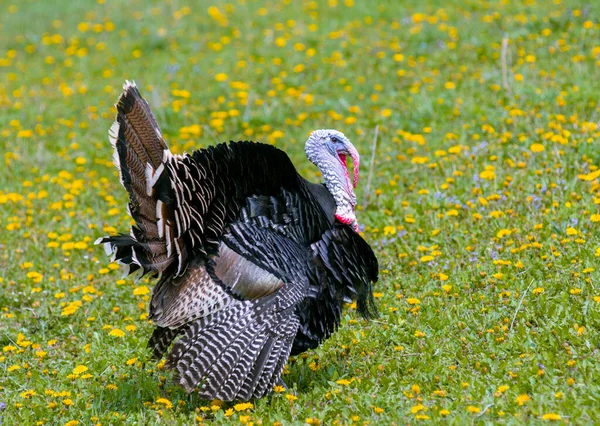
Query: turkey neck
{"points": [[337, 181]]}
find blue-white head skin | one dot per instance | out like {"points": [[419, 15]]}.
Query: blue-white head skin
{"points": [[328, 149]]}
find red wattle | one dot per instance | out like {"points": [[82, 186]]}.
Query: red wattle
{"points": [[348, 221], [344, 220], [342, 158], [356, 161]]}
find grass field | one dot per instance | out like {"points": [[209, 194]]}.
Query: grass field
{"points": [[483, 209]]}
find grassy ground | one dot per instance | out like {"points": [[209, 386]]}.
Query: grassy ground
{"points": [[483, 206]]}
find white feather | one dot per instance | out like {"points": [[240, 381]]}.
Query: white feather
{"points": [[152, 176], [169, 241], [128, 84], [160, 224], [134, 258], [125, 270], [108, 249], [179, 259], [113, 133]]}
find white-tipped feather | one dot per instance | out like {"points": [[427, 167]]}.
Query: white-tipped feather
{"points": [[117, 164], [125, 270], [179, 258], [177, 222], [128, 84], [168, 241], [113, 134], [108, 249], [152, 176], [134, 258], [160, 223], [149, 172]]}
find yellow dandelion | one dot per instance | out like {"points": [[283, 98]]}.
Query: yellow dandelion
{"points": [[165, 402], [80, 369], [117, 332], [418, 408], [537, 147], [487, 175], [551, 416], [243, 406], [522, 399], [28, 394]]}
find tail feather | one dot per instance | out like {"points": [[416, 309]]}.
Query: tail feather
{"points": [[140, 154], [268, 369], [202, 348], [240, 354], [281, 361], [200, 327], [235, 359], [138, 124], [161, 339], [278, 357], [250, 364]]}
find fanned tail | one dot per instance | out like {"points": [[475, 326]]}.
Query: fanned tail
{"points": [[140, 153]]}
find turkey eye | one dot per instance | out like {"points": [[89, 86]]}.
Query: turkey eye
{"points": [[335, 139]]}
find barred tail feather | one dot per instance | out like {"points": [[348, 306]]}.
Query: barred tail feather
{"points": [[249, 365], [244, 349], [270, 355], [139, 154], [279, 357], [161, 339], [233, 360], [194, 354], [137, 126], [278, 368]]}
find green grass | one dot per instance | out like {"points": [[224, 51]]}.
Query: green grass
{"points": [[479, 209]]}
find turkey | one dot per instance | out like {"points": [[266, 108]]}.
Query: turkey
{"points": [[253, 262]]}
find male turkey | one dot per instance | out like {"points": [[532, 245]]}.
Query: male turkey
{"points": [[253, 261]]}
